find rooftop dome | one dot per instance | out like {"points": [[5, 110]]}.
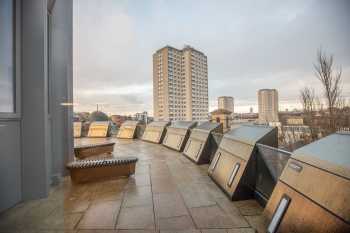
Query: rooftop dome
{"points": [[98, 116]]}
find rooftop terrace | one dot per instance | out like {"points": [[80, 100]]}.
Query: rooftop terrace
{"points": [[168, 193]]}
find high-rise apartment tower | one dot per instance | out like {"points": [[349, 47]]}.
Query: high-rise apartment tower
{"points": [[180, 84], [268, 105], [226, 102]]}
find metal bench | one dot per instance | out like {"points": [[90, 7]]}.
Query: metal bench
{"points": [[82, 171]]}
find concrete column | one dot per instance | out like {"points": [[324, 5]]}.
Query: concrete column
{"points": [[61, 79], [35, 138]]}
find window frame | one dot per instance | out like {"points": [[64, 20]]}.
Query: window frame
{"points": [[16, 114]]}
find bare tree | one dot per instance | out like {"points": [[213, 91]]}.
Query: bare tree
{"points": [[331, 82], [309, 101], [318, 105], [286, 139], [341, 103]]}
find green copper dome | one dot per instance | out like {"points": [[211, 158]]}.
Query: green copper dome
{"points": [[98, 116]]}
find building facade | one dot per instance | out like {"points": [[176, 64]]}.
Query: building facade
{"points": [[268, 105], [222, 116], [36, 95], [226, 102], [141, 116], [180, 84]]}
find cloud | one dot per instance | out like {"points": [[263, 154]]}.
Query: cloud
{"points": [[249, 44], [124, 90]]}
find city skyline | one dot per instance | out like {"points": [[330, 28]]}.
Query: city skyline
{"points": [[247, 49]]}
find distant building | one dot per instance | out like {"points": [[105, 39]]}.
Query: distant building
{"points": [[291, 117], [180, 84], [226, 102], [142, 116], [246, 116], [295, 121], [268, 105], [81, 116], [222, 116]]}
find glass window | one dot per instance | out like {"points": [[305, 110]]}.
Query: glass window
{"points": [[7, 87]]}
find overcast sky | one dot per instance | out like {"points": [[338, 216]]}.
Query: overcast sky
{"points": [[249, 44]]}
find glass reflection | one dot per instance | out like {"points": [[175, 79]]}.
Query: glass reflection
{"points": [[6, 57]]}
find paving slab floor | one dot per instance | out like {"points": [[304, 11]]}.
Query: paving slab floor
{"points": [[167, 194]]}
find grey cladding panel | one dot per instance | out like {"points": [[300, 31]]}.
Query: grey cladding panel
{"points": [[193, 149], [155, 131], [237, 148], [158, 124], [128, 130], [320, 171], [331, 153], [249, 134], [222, 168], [130, 123], [174, 141], [198, 146], [180, 131], [10, 165], [199, 135], [183, 124], [152, 136], [234, 171], [208, 126], [177, 134]]}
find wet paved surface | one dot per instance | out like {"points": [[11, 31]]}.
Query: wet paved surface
{"points": [[168, 194]]}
